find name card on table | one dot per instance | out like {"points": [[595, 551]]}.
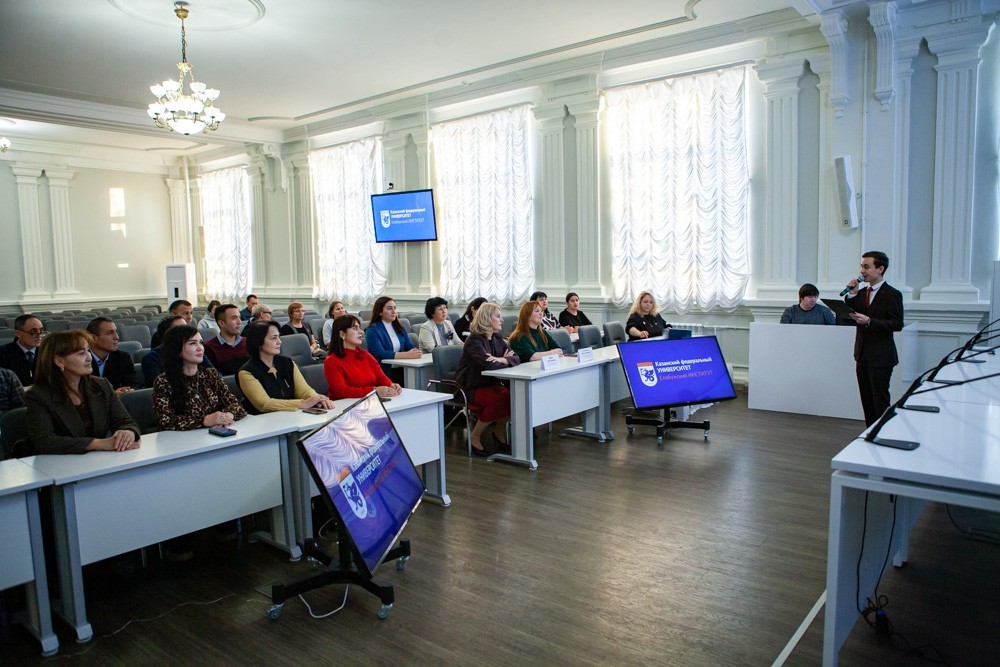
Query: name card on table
{"points": [[550, 362], [584, 354]]}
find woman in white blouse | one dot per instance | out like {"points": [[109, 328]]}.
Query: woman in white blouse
{"points": [[438, 329]]}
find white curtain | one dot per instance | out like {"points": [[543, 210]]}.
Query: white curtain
{"points": [[226, 216], [485, 208], [680, 191], [344, 177]]}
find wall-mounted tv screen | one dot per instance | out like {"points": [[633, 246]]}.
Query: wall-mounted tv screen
{"points": [[365, 476], [404, 216], [665, 373]]}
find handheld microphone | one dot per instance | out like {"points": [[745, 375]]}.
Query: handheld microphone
{"points": [[847, 289]]}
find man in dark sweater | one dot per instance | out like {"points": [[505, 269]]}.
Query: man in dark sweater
{"points": [[228, 350], [808, 311]]}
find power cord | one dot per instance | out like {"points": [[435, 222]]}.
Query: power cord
{"points": [[990, 537], [329, 613]]}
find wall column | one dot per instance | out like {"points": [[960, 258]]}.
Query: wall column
{"points": [[180, 221], [588, 188], [302, 247], [31, 232], [550, 263], [394, 153], [957, 48], [781, 82], [422, 251], [62, 231], [258, 236]]}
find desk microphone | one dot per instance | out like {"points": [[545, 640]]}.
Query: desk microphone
{"points": [[847, 289]]}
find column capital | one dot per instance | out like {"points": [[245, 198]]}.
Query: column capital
{"points": [[833, 25], [395, 142], [59, 176], [958, 45], [551, 117], [585, 110], [882, 17], [26, 175]]}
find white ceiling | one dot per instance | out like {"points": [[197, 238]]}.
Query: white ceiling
{"points": [[282, 63]]}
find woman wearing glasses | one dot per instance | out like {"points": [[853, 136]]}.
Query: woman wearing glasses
{"points": [[438, 329], [350, 371]]}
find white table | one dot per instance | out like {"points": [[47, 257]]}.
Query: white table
{"points": [[416, 372], [958, 462], [22, 557], [177, 482], [538, 397]]}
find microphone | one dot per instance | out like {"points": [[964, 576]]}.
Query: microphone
{"points": [[847, 289]]}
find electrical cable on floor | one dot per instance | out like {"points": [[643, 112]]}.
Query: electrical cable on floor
{"points": [[329, 613], [320, 535], [988, 536]]}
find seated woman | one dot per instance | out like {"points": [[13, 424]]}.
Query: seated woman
{"points": [[69, 410], [335, 310], [643, 320], [350, 371], [438, 329], [486, 350], [187, 395], [572, 318], [271, 382], [462, 323], [386, 338], [549, 320], [528, 340], [296, 325]]}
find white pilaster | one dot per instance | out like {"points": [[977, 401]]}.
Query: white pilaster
{"points": [[394, 153], [550, 262], [426, 285], [31, 232], [957, 48], [302, 246], [180, 221], [62, 231], [882, 17], [588, 181], [781, 82], [833, 25], [827, 216], [255, 174]]}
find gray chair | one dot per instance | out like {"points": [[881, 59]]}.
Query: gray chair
{"points": [[614, 332], [55, 325], [136, 332], [561, 336], [509, 322], [590, 336], [316, 378], [138, 354], [296, 346], [316, 324], [453, 315], [446, 358], [130, 346], [234, 386], [405, 321], [139, 403], [13, 428], [140, 377], [417, 318], [415, 339]]}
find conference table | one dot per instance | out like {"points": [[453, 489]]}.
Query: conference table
{"points": [[22, 557], [416, 372], [178, 482], [957, 462]]}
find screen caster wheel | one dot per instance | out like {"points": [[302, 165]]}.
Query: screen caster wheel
{"points": [[274, 611], [631, 430], [383, 612], [401, 563]]}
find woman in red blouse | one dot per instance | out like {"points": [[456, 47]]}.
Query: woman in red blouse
{"points": [[350, 371]]}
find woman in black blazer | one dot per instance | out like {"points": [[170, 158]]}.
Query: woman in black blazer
{"points": [[69, 410]]}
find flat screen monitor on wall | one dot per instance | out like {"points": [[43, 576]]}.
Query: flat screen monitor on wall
{"points": [[666, 373], [404, 216]]}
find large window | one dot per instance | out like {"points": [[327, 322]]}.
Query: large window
{"points": [[344, 177], [483, 194], [225, 211], [680, 190]]}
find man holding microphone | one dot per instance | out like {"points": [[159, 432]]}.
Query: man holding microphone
{"points": [[878, 312]]}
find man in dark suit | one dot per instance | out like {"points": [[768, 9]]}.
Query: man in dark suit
{"points": [[20, 355], [110, 363], [878, 312]]}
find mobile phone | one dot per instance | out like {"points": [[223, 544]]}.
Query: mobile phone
{"points": [[384, 399], [314, 411], [222, 431]]}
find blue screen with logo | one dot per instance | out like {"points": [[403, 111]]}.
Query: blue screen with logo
{"points": [[685, 371], [404, 216], [359, 462]]}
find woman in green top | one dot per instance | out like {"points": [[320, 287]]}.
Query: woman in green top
{"points": [[528, 340]]}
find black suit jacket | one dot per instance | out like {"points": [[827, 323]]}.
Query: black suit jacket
{"points": [[12, 357], [55, 427], [119, 369], [873, 344]]}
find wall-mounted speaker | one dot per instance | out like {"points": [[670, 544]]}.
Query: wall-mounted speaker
{"points": [[845, 192]]}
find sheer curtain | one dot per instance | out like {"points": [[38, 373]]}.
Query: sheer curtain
{"points": [[485, 208], [226, 215], [351, 265], [680, 190]]}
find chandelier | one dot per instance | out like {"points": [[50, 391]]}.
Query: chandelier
{"points": [[4, 144], [174, 109]]}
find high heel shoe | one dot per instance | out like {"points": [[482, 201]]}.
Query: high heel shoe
{"points": [[480, 451], [502, 447]]}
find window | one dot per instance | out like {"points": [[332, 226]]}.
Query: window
{"points": [[680, 190], [225, 212], [351, 265], [485, 207]]}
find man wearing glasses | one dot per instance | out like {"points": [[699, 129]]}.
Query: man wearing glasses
{"points": [[20, 354]]}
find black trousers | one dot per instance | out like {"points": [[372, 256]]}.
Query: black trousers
{"points": [[873, 385]]}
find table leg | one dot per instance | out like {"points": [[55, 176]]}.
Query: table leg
{"points": [[39, 614], [522, 442], [434, 482], [72, 605], [283, 534]]}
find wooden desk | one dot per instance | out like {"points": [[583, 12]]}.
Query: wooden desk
{"points": [[22, 557]]}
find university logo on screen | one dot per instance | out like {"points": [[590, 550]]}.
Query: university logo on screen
{"points": [[647, 373], [355, 498]]}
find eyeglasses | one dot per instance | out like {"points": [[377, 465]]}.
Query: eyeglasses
{"points": [[34, 332]]}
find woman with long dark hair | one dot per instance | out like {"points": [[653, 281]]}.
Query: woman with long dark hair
{"points": [[188, 396], [350, 371], [335, 310], [462, 323], [69, 410], [271, 382], [386, 338]]}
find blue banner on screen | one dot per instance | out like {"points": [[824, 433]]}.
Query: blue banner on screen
{"points": [[404, 216], [359, 462], [668, 373]]}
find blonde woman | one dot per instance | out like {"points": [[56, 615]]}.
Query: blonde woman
{"points": [[643, 320]]}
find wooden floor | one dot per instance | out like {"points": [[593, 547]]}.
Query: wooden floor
{"points": [[699, 553]]}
